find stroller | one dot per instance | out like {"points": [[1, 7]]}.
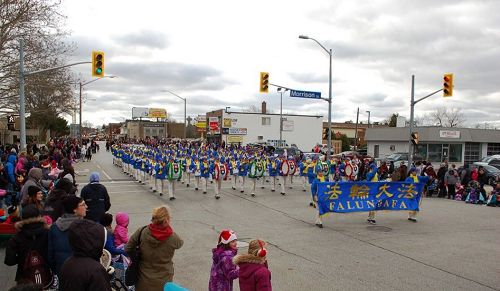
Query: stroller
{"points": [[432, 187], [116, 276]]}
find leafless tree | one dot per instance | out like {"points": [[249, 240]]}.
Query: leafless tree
{"points": [[447, 117], [38, 23], [253, 109]]}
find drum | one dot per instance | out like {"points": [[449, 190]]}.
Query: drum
{"points": [[220, 172], [285, 168], [292, 167], [174, 171]]}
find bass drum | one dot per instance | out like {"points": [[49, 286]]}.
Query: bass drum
{"points": [[221, 172], [292, 166], [256, 170], [175, 171], [349, 171], [285, 168], [325, 168]]}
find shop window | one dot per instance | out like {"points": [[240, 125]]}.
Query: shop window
{"points": [[266, 120], [435, 152], [472, 152], [455, 154], [493, 149], [420, 152]]}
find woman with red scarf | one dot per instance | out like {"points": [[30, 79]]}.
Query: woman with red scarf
{"points": [[158, 242]]}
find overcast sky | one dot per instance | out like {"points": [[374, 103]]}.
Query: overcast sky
{"points": [[211, 53]]}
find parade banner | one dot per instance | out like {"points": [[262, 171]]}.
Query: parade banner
{"points": [[366, 196]]}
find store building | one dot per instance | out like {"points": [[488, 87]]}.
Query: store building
{"points": [[232, 127], [436, 144]]}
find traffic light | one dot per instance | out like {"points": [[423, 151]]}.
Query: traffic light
{"points": [[448, 85], [264, 82], [97, 64], [414, 138]]}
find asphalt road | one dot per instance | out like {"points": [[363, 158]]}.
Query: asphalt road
{"points": [[454, 246]]}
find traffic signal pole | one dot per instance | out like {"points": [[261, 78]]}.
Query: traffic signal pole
{"points": [[412, 114], [22, 100]]}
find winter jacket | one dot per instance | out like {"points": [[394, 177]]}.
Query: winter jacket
{"points": [[450, 178], [110, 244], [34, 178], [53, 205], [10, 166], [32, 235], [97, 199], [223, 270], [21, 166], [156, 266], [121, 229], [59, 248], [254, 274], [83, 270]]}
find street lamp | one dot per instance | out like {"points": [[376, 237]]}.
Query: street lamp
{"points": [[183, 99], [368, 111], [281, 114], [329, 52], [227, 107], [81, 86]]}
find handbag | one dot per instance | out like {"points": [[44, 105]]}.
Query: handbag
{"points": [[132, 272]]}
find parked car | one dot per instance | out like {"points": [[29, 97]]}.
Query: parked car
{"points": [[351, 154], [400, 158], [492, 161], [295, 152], [312, 155], [492, 173]]}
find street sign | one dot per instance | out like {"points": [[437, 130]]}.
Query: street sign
{"points": [[305, 94]]}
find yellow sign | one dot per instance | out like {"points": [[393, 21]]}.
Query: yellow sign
{"points": [[234, 139], [157, 113], [227, 122], [201, 124]]}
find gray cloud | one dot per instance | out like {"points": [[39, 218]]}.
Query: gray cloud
{"points": [[146, 38]]}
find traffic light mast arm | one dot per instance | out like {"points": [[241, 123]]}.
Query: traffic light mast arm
{"points": [[425, 97], [55, 68]]}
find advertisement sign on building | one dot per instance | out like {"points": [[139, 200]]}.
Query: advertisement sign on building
{"points": [[144, 112], [234, 139], [213, 124], [237, 131], [227, 122], [287, 125], [157, 113], [449, 134]]}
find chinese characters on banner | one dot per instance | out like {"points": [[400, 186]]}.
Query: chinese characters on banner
{"points": [[367, 196]]}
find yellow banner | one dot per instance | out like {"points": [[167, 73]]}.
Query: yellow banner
{"points": [[157, 113], [234, 139]]}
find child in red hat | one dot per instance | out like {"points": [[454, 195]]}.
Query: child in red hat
{"points": [[223, 270]]}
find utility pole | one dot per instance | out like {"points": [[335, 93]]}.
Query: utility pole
{"points": [[22, 105], [356, 133]]}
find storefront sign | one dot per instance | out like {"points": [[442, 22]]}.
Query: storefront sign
{"points": [[234, 139], [449, 134], [227, 122], [213, 124], [237, 131], [287, 125]]}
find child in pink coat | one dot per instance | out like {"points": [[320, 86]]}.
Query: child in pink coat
{"points": [[121, 229]]}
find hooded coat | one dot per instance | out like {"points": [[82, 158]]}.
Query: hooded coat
{"points": [[32, 235], [10, 167], [59, 247], [223, 270], [97, 199], [121, 229], [53, 205], [83, 270], [34, 178], [157, 250], [254, 274]]}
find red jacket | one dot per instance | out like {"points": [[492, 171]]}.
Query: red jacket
{"points": [[254, 274]]}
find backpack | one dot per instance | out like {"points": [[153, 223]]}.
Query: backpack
{"points": [[36, 270]]}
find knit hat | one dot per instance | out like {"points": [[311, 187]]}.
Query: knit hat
{"points": [[45, 164], [94, 177], [30, 211], [32, 190], [70, 203], [226, 236], [12, 209]]}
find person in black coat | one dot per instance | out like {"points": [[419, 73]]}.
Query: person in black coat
{"points": [[32, 235], [96, 197], [53, 205], [83, 270]]}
